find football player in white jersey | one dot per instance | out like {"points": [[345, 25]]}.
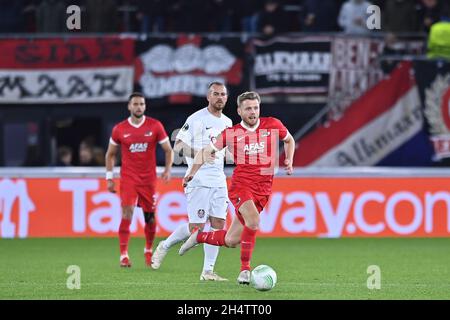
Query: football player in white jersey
{"points": [[207, 195]]}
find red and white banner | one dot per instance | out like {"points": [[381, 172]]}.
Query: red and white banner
{"points": [[377, 124], [179, 69], [298, 207], [81, 70]]}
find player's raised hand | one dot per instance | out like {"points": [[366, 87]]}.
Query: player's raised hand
{"points": [[166, 175], [111, 186], [186, 180], [288, 167]]}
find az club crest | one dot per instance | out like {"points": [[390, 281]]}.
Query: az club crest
{"points": [[437, 112]]}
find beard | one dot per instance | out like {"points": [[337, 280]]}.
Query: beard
{"points": [[218, 106], [137, 115], [251, 122]]}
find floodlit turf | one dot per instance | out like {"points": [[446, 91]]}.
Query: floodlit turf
{"points": [[306, 268]]}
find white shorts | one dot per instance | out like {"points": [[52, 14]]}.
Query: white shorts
{"points": [[203, 202]]}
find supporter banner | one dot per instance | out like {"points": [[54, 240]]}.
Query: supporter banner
{"points": [[80, 70], [178, 70], [298, 207], [383, 127], [355, 69], [433, 79], [291, 65]]}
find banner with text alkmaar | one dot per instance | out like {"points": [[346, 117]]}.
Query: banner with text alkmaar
{"points": [[291, 65], [298, 207], [72, 70]]}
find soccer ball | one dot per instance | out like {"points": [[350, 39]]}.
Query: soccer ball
{"points": [[263, 278]]}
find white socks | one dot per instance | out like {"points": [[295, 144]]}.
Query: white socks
{"points": [[211, 253], [181, 233]]}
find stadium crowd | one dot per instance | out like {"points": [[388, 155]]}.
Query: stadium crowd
{"points": [[267, 17]]}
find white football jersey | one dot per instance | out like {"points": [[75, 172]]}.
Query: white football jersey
{"points": [[197, 133]]}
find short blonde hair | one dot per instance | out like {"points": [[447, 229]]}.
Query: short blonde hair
{"points": [[248, 95]]}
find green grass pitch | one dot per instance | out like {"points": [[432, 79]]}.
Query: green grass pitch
{"points": [[306, 268]]}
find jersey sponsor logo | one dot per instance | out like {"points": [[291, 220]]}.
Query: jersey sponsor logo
{"points": [[254, 148], [265, 134], [148, 134], [126, 135], [138, 147]]}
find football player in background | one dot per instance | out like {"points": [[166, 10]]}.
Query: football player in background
{"points": [[138, 137]]}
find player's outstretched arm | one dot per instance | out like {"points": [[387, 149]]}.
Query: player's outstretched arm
{"points": [[110, 159], [183, 149], [199, 159], [168, 152], [289, 149]]}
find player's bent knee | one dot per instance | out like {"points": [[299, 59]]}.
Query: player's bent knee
{"points": [[217, 223], [252, 225], [232, 242], [127, 213], [252, 222], [149, 217], [192, 226]]}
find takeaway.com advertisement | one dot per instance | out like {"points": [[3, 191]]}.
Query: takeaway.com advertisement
{"points": [[299, 207]]}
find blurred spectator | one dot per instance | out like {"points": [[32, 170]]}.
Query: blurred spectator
{"points": [[33, 156], [399, 16], [353, 15], [272, 19], [11, 18], [248, 10], [151, 15], [439, 37], [429, 12], [99, 156], [86, 154], [102, 16], [65, 155], [221, 15], [188, 15], [319, 16], [29, 15], [51, 16]]}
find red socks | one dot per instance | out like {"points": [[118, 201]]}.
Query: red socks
{"points": [[124, 236], [248, 239], [216, 238], [149, 230]]}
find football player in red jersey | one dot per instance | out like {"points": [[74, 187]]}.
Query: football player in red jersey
{"points": [[138, 137], [254, 145]]}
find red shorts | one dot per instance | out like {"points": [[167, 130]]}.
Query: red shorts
{"points": [[238, 197], [138, 195]]}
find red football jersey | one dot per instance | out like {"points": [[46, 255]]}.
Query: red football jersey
{"points": [[255, 153], [138, 147]]}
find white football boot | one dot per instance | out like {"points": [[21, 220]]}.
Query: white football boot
{"points": [[244, 277], [159, 255], [211, 276]]}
